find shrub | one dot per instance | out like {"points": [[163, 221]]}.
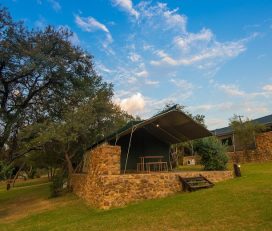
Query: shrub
{"points": [[56, 187], [5, 170], [213, 154]]}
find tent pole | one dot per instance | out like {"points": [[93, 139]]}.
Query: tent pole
{"points": [[116, 139], [129, 144], [170, 158]]}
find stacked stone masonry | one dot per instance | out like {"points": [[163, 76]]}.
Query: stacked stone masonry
{"points": [[103, 186], [263, 151]]}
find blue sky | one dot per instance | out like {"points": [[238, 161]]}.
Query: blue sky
{"points": [[214, 57]]}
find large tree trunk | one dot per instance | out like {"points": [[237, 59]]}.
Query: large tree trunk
{"points": [[48, 174], [70, 170], [17, 174]]}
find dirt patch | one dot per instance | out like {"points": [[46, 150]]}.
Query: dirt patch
{"points": [[25, 207]]}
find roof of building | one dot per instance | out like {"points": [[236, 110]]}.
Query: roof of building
{"points": [[266, 120], [171, 126]]}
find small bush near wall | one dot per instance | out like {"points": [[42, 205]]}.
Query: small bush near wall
{"points": [[213, 154], [56, 188]]}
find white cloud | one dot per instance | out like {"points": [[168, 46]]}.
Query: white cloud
{"points": [[214, 123], [152, 82], [185, 41], [208, 107], [133, 104], [134, 57], [55, 5], [159, 16], [102, 68], [267, 87], [127, 6], [184, 48], [182, 84], [216, 52], [90, 24], [231, 90], [225, 110], [143, 74], [161, 38], [173, 19]]}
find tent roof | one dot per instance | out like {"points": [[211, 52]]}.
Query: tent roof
{"points": [[170, 126]]}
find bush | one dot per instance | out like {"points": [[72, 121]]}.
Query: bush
{"points": [[5, 170], [56, 187], [213, 154]]}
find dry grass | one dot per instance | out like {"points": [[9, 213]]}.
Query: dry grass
{"points": [[27, 198]]}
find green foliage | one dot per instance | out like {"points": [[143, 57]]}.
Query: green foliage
{"points": [[245, 131], [43, 75], [213, 153], [53, 103], [56, 188], [5, 170]]}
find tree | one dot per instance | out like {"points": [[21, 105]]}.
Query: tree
{"points": [[245, 132], [79, 128], [212, 152], [41, 75]]}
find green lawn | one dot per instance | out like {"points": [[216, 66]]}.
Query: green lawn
{"points": [[239, 204]]}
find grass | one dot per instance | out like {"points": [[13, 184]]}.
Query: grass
{"points": [[239, 204]]}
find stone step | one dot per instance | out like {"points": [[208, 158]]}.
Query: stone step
{"points": [[195, 183]]}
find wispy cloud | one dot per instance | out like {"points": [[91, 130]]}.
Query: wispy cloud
{"points": [[180, 47], [134, 57], [185, 42], [225, 110], [231, 90], [152, 82], [182, 84], [127, 6], [142, 73], [90, 24], [216, 51], [267, 87], [55, 5], [160, 16], [162, 43]]}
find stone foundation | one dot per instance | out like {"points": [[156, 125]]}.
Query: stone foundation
{"points": [[263, 152], [264, 145], [103, 186]]}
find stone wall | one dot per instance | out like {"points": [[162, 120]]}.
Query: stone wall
{"points": [[263, 152], [264, 145], [101, 161], [103, 186], [123, 189]]}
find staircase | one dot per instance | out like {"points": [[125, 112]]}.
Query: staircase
{"points": [[195, 183]]}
